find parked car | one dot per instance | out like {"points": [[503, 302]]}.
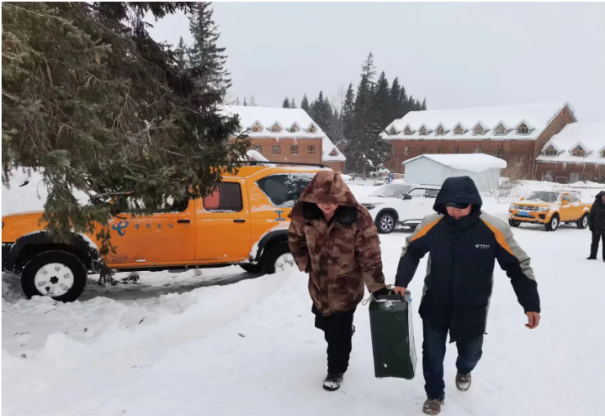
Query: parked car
{"points": [[550, 208], [389, 205], [245, 222]]}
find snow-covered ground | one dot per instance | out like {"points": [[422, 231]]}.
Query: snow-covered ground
{"points": [[179, 344]]}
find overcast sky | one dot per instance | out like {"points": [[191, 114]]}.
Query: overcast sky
{"points": [[455, 55]]}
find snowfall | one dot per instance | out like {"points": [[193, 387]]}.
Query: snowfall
{"points": [[221, 342]]}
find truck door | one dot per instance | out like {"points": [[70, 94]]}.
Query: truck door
{"points": [[223, 224]]}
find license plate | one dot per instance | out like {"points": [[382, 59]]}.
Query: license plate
{"points": [[523, 214]]}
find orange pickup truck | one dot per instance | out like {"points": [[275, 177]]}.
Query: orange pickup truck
{"points": [[245, 221], [550, 208]]}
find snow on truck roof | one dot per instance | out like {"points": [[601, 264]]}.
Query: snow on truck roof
{"points": [[536, 117], [590, 137], [475, 162], [293, 123]]}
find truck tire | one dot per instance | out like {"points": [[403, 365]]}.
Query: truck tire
{"points": [[553, 224], [514, 223], [582, 223], [252, 268], [55, 273], [278, 258]]}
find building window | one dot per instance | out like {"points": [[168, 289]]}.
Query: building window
{"points": [[579, 151], [500, 152], [311, 149], [294, 129], [440, 131], [456, 150], [408, 131], [423, 131], [551, 151], [459, 130], [276, 149], [479, 131], [523, 129], [275, 128], [438, 150], [393, 131], [574, 177], [547, 176], [258, 148], [334, 152], [312, 128], [478, 150], [406, 151], [421, 151], [603, 153], [257, 128], [501, 130], [294, 149]]}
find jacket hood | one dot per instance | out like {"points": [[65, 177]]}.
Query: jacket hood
{"points": [[327, 187], [461, 190], [599, 196]]}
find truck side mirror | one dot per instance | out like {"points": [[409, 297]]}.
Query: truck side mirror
{"points": [[522, 199], [407, 197]]}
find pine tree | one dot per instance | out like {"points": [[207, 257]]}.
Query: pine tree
{"points": [[237, 102], [304, 104], [394, 96], [180, 54], [423, 106], [292, 103], [348, 113], [207, 60], [404, 104], [95, 104], [245, 102], [252, 101], [382, 102], [286, 103]]}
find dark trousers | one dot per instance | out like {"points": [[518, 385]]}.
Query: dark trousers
{"points": [[433, 353], [338, 331], [594, 247]]}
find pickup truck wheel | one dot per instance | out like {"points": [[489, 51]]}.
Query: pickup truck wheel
{"points": [[252, 268], [278, 259], [582, 223], [553, 224], [514, 223], [55, 273], [386, 222]]}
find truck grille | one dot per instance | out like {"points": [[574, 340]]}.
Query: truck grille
{"points": [[527, 207]]}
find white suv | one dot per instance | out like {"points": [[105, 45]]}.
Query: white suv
{"points": [[400, 204]]}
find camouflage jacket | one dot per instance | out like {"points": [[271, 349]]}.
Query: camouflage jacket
{"points": [[339, 256]]}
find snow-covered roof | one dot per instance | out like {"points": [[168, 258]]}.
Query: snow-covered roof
{"points": [[285, 118], [589, 136], [536, 116], [474, 162], [253, 154], [327, 148], [268, 116]]}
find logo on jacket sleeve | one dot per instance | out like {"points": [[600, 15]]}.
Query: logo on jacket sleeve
{"points": [[482, 246]]}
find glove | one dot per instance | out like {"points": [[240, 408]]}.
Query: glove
{"points": [[381, 292]]}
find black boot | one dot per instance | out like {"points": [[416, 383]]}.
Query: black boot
{"points": [[592, 257], [333, 381]]}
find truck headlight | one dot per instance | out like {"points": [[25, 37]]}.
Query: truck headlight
{"points": [[512, 206], [543, 209]]}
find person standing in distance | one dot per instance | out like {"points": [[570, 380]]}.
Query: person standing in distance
{"points": [[464, 243], [596, 224]]}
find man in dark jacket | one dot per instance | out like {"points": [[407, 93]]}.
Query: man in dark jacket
{"points": [[334, 238], [464, 244], [596, 224]]}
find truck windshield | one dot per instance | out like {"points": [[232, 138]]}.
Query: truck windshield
{"points": [[544, 196], [392, 191]]}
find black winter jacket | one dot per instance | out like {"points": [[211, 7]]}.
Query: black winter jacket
{"points": [[459, 279], [596, 218]]}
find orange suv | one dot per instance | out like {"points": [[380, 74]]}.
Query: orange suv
{"points": [[245, 221]]}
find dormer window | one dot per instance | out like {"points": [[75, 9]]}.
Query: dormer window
{"points": [[579, 151], [501, 130], [276, 128], [551, 151], [459, 130], [603, 154], [423, 131], [440, 131], [257, 128], [294, 128], [393, 131], [334, 153], [407, 131], [312, 128], [479, 130], [523, 129]]}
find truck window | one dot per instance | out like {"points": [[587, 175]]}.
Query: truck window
{"points": [[169, 204], [226, 198], [283, 190]]}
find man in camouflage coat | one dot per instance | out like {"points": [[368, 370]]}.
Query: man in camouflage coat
{"points": [[334, 239]]}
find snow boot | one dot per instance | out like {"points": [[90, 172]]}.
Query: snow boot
{"points": [[592, 258], [333, 381], [432, 406], [463, 381]]}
